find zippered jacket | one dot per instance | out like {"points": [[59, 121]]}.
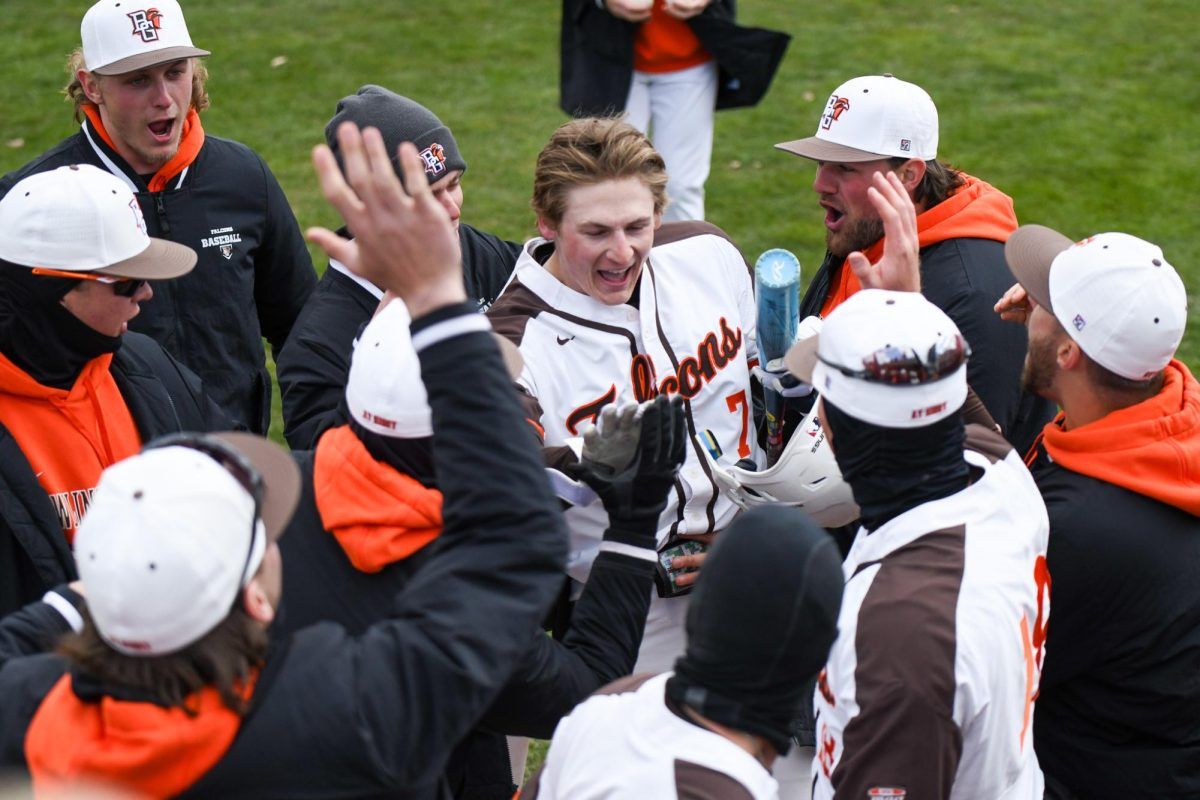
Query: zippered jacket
{"points": [[252, 275]]}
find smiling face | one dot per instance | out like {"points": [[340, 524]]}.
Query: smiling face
{"points": [[603, 239], [143, 111], [97, 306], [851, 222]]}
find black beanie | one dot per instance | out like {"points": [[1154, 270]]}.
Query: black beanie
{"points": [[762, 619], [399, 120]]}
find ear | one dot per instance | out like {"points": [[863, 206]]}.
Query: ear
{"points": [[547, 230], [657, 221], [910, 173], [90, 85], [1068, 354], [256, 603]]}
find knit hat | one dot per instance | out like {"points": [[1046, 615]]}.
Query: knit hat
{"points": [[399, 120], [762, 619]]}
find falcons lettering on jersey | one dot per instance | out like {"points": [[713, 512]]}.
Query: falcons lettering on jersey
{"points": [[715, 351]]}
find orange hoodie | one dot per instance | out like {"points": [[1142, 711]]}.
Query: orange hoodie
{"points": [[378, 515], [977, 210], [68, 436], [142, 747], [190, 143], [1152, 448]]}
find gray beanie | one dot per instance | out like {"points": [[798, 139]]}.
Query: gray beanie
{"points": [[399, 120]]}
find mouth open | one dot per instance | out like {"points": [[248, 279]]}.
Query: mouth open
{"points": [[833, 217], [161, 129], [615, 278]]}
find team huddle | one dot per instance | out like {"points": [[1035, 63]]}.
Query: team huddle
{"points": [[531, 490]]}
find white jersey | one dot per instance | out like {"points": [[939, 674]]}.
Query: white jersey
{"points": [[928, 692], [631, 745], [692, 333]]}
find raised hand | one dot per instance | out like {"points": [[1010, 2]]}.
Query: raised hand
{"points": [[900, 267], [1015, 305], [404, 240], [685, 9], [630, 10], [631, 456]]}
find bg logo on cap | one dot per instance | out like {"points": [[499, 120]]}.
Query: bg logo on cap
{"points": [[434, 157], [836, 106], [146, 24]]}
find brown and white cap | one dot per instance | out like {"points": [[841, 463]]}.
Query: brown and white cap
{"points": [[122, 36]]}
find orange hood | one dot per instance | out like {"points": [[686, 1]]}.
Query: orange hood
{"points": [[977, 210], [1152, 448], [190, 142], [142, 747], [378, 515]]}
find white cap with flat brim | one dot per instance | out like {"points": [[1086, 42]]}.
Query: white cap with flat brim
{"points": [[872, 117], [79, 218], [119, 36]]}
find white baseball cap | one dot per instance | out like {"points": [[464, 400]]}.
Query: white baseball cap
{"points": [[173, 534], [889, 358], [1113, 293], [122, 36], [873, 117], [385, 392], [79, 218]]}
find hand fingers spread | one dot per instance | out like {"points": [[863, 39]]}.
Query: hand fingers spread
{"points": [[860, 265], [333, 185]]}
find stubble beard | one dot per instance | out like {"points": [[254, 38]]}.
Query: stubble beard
{"points": [[1038, 372]]}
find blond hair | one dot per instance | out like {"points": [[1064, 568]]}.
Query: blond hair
{"points": [[74, 88], [587, 151]]}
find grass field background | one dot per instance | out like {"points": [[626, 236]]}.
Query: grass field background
{"points": [[1087, 113]]}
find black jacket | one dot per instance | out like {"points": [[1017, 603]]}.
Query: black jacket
{"points": [[320, 584], [1118, 709], [163, 397], [334, 715], [313, 365], [253, 273], [596, 51], [965, 278]]}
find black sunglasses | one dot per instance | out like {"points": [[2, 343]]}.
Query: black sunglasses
{"points": [[234, 463], [904, 365], [122, 287]]}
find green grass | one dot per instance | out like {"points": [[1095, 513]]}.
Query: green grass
{"points": [[1086, 113]]}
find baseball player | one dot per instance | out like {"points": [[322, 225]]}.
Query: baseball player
{"points": [[139, 86], [929, 689], [608, 307]]}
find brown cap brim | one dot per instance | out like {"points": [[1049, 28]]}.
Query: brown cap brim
{"points": [[1029, 252], [514, 362], [801, 358], [281, 478], [150, 59], [822, 150], [161, 260]]}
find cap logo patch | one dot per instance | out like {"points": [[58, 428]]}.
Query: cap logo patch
{"points": [[891, 792], [1079, 322], [382, 422], [434, 157], [137, 215], [833, 110], [146, 24], [906, 145]]}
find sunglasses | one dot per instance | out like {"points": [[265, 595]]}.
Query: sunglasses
{"points": [[898, 366], [122, 287], [235, 464]]}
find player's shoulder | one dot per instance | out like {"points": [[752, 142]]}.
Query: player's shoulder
{"points": [[71, 150]]}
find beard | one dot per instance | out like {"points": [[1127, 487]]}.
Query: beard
{"points": [[858, 234], [1040, 365]]}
